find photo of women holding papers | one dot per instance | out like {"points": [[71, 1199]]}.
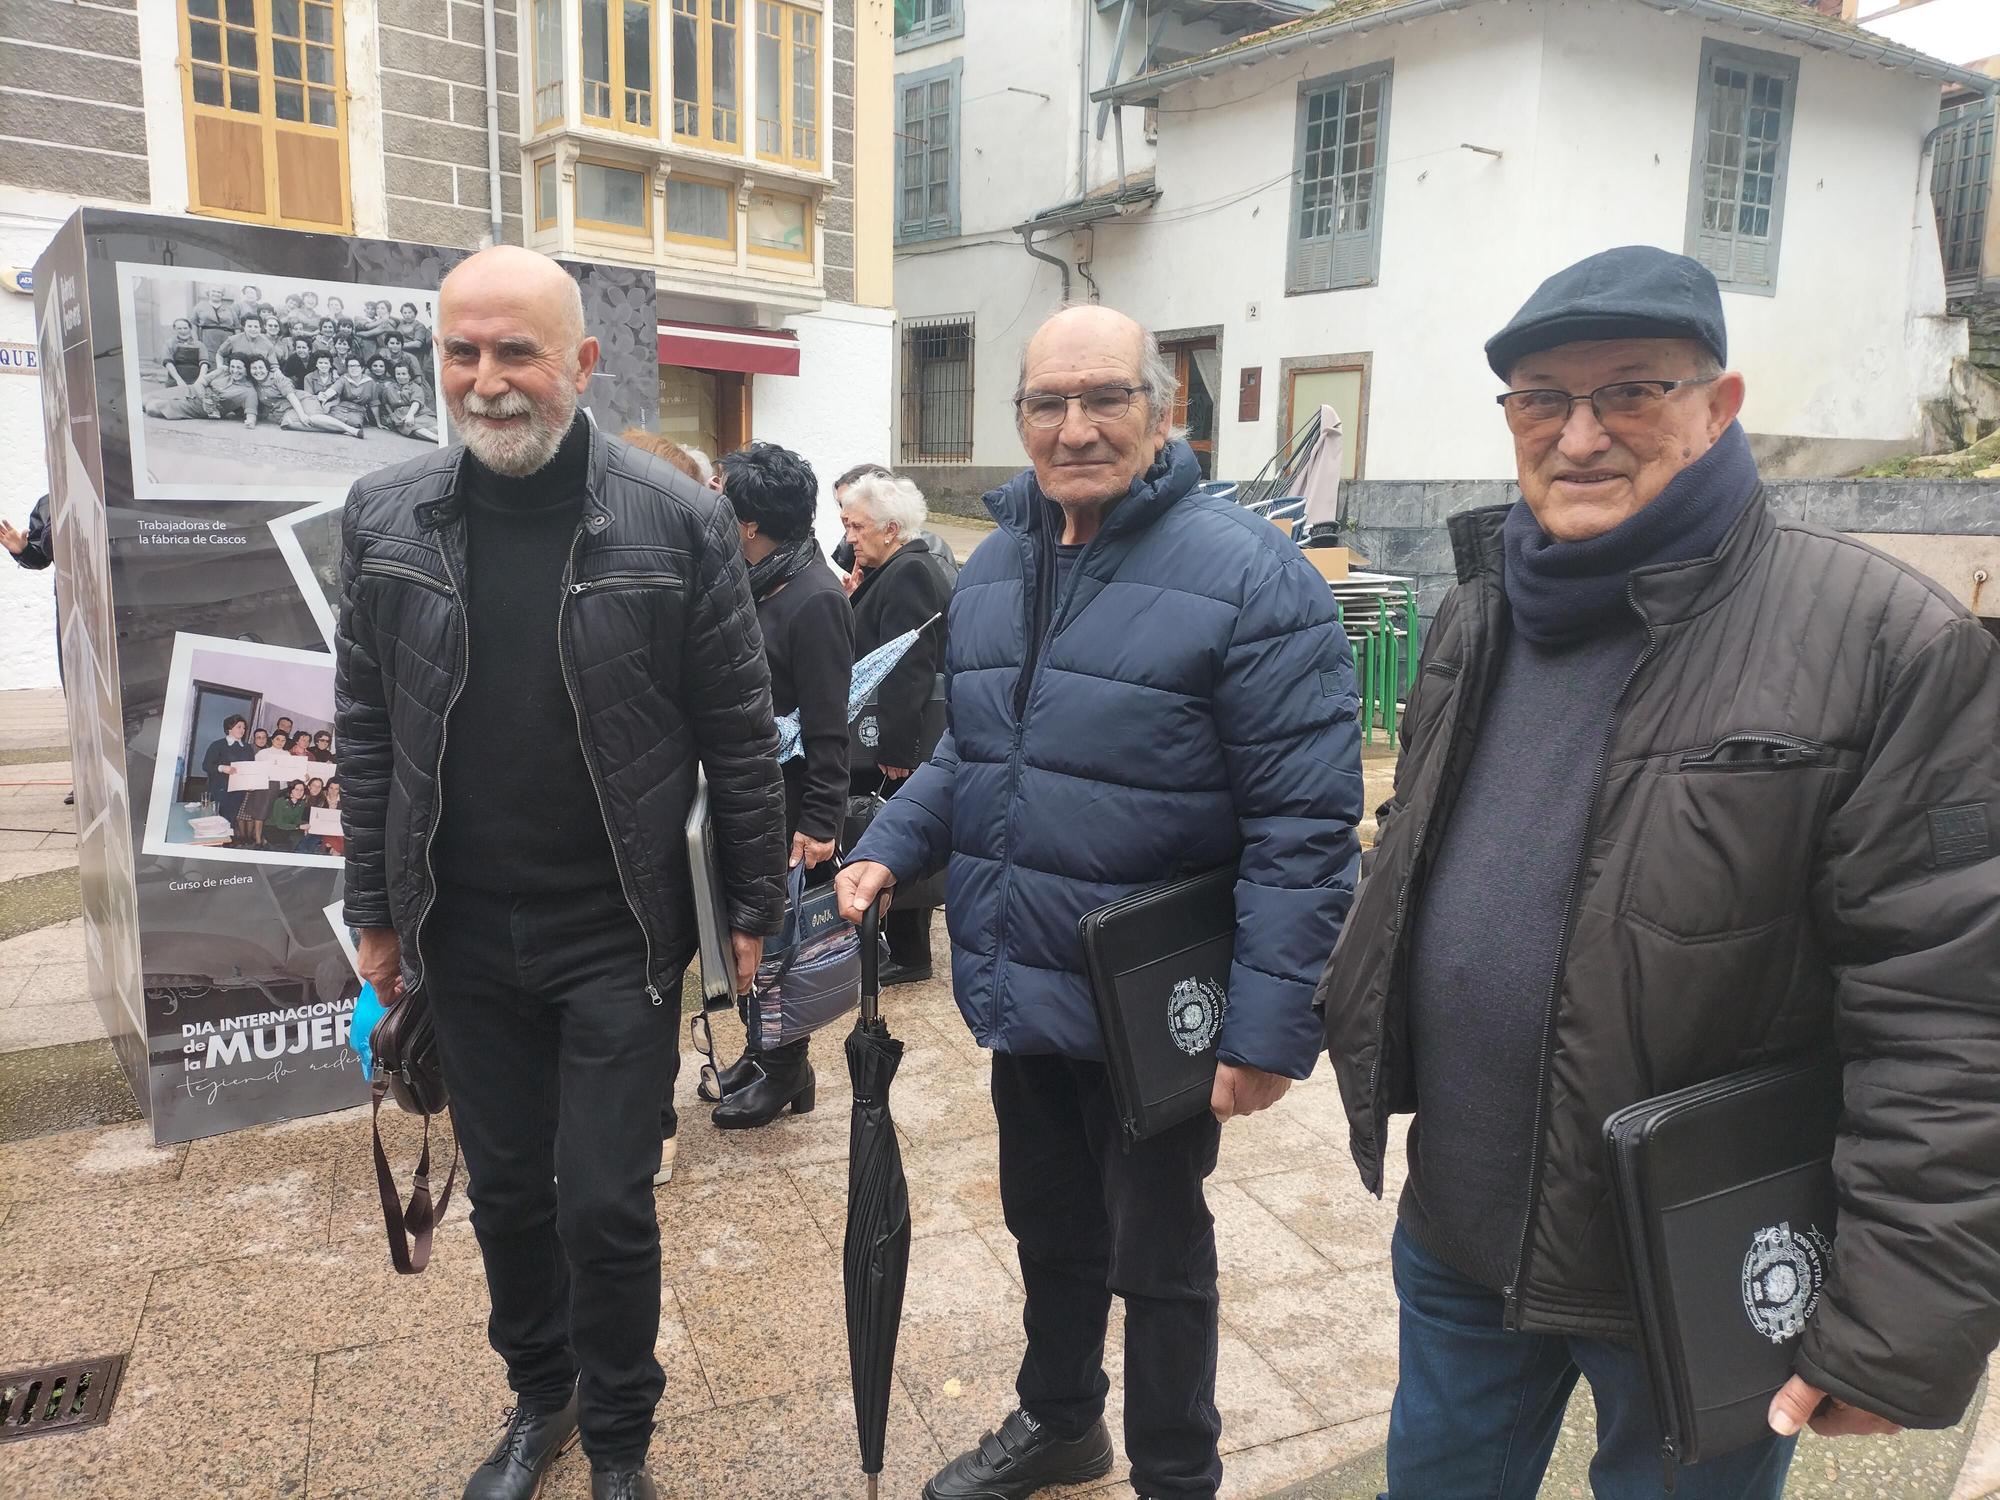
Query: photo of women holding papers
{"points": [[243, 724]]}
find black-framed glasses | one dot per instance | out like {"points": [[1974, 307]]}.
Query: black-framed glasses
{"points": [[1107, 403], [1624, 400], [701, 1036]]}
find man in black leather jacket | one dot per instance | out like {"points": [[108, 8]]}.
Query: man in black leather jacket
{"points": [[542, 634]]}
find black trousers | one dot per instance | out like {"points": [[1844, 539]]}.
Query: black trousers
{"points": [[1092, 1218], [554, 1056], [909, 934]]}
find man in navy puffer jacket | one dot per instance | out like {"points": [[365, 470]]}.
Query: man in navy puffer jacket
{"points": [[1145, 683]]}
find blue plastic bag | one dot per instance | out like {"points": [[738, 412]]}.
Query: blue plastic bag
{"points": [[361, 1027]]}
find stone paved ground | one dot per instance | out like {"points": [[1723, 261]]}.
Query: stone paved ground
{"points": [[274, 1354]]}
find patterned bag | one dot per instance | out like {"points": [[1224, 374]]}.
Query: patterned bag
{"points": [[810, 974]]}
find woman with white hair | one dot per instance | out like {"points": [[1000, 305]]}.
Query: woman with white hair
{"points": [[901, 587]]}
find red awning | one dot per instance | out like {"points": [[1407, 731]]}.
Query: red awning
{"points": [[710, 346]]}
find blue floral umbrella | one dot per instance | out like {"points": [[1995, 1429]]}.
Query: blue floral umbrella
{"points": [[868, 675]]}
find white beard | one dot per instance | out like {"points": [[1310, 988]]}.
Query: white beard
{"points": [[517, 450]]}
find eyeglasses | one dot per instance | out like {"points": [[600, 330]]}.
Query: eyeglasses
{"points": [[1628, 402], [1105, 404], [702, 1038]]}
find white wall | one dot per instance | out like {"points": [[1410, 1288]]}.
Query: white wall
{"points": [[1592, 103], [27, 608], [835, 413], [1018, 156]]}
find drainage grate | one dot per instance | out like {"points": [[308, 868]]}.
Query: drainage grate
{"points": [[58, 1398]]}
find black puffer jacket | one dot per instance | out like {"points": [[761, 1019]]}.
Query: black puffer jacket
{"points": [[659, 644], [1792, 845]]}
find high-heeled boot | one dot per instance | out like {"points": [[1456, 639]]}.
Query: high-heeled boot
{"points": [[784, 1081], [739, 1074]]}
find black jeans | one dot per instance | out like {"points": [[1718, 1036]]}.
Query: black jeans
{"points": [[1091, 1219], [554, 1056], [909, 935]]}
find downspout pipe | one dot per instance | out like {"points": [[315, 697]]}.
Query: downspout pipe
{"points": [[492, 123], [1028, 244]]}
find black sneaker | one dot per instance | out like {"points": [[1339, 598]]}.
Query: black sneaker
{"points": [[1019, 1459]]}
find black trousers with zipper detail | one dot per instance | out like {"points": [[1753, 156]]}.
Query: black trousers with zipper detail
{"points": [[1091, 1219], [553, 1053]]}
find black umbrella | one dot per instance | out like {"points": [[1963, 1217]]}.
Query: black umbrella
{"points": [[875, 1263]]}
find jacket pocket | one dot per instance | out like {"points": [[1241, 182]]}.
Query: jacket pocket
{"points": [[607, 582], [1727, 839], [382, 567]]}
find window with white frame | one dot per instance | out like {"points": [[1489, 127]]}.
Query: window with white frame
{"points": [[927, 152], [937, 390], [921, 21], [1341, 152], [1743, 136], [548, 63]]}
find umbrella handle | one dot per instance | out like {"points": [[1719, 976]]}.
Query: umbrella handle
{"points": [[871, 963]]}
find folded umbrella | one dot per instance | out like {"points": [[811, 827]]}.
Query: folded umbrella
{"points": [[875, 1260], [866, 677]]}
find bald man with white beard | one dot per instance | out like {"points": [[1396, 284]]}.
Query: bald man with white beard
{"points": [[543, 633]]}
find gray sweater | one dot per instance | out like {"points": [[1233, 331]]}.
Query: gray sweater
{"points": [[1483, 960]]}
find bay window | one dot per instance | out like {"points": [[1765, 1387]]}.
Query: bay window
{"points": [[788, 83], [706, 77]]}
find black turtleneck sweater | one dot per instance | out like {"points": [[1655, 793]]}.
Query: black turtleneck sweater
{"points": [[517, 809]]}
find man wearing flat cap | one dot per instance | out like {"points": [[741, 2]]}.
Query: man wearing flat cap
{"points": [[1685, 787]]}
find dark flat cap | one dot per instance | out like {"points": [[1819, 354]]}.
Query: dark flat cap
{"points": [[1634, 292]]}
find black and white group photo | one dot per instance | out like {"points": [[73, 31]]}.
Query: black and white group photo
{"points": [[273, 387]]}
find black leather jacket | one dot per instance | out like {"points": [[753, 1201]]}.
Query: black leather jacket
{"points": [[659, 645]]}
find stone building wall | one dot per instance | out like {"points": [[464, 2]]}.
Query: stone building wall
{"points": [[433, 85], [70, 99], [838, 245]]}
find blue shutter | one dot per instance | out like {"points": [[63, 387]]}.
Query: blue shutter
{"points": [[1340, 167]]}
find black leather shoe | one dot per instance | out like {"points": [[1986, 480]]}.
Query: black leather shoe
{"points": [[622, 1484], [785, 1080], [892, 972], [533, 1441], [1020, 1459]]}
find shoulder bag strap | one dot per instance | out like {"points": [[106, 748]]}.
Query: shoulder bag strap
{"points": [[410, 1227]]}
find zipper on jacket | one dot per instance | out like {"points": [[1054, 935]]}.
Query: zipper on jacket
{"points": [[569, 590], [1670, 1463], [404, 570], [625, 581], [444, 724], [1511, 1315], [1785, 750], [1023, 691], [1381, 1112]]}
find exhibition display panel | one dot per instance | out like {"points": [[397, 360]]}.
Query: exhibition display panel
{"points": [[210, 392]]}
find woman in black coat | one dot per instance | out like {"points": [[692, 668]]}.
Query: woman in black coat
{"points": [[902, 588], [808, 635]]}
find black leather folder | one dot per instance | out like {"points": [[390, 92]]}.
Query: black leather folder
{"points": [[1158, 963], [1726, 1205]]}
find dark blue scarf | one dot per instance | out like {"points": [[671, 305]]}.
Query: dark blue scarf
{"points": [[1566, 591]]}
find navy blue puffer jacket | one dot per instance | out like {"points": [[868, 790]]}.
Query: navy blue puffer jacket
{"points": [[1191, 704]]}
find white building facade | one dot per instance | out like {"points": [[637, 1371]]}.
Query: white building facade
{"points": [[738, 149], [1344, 208]]}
